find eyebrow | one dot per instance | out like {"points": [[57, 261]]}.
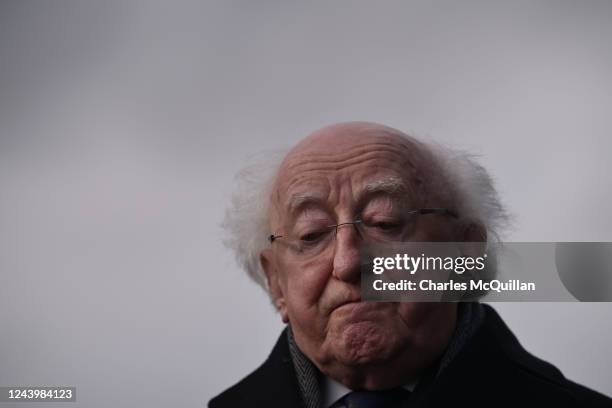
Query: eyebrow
{"points": [[389, 185], [300, 200]]}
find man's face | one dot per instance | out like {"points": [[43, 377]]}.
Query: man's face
{"points": [[338, 176]]}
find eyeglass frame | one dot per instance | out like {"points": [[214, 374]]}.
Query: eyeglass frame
{"points": [[418, 211]]}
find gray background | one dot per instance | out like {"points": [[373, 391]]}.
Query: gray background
{"points": [[122, 124]]}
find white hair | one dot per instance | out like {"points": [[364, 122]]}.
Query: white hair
{"points": [[466, 184], [247, 218], [470, 189]]}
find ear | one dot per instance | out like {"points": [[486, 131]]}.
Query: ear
{"points": [[474, 235], [273, 279], [474, 231]]}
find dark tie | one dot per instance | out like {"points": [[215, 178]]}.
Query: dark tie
{"points": [[373, 399]]}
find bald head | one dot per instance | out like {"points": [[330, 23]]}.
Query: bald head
{"points": [[350, 132], [344, 139], [366, 151]]}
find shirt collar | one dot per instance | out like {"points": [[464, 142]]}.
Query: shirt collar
{"points": [[334, 390]]}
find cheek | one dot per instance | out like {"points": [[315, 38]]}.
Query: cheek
{"points": [[303, 286], [414, 314], [429, 229], [427, 321]]}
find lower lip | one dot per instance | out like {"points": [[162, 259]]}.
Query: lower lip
{"points": [[357, 307]]}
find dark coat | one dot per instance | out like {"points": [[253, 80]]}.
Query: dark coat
{"points": [[492, 369]]}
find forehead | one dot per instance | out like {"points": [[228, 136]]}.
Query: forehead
{"points": [[349, 159]]}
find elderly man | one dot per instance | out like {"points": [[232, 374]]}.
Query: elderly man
{"points": [[342, 185]]}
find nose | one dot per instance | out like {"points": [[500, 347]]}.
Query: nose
{"points": [[347, 256]]}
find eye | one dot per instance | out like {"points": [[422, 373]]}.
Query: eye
{"points": [[313, 236], [385, 228], [386, 225]]}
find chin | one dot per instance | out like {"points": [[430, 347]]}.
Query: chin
{"points": [[365, 342]]}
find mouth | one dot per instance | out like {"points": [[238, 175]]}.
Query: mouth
{"points": [[349, 301], [344, 304], [358, 307], [348, 304]]}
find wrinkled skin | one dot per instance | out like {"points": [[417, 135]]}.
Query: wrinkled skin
{"points": [[364, 345]]}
